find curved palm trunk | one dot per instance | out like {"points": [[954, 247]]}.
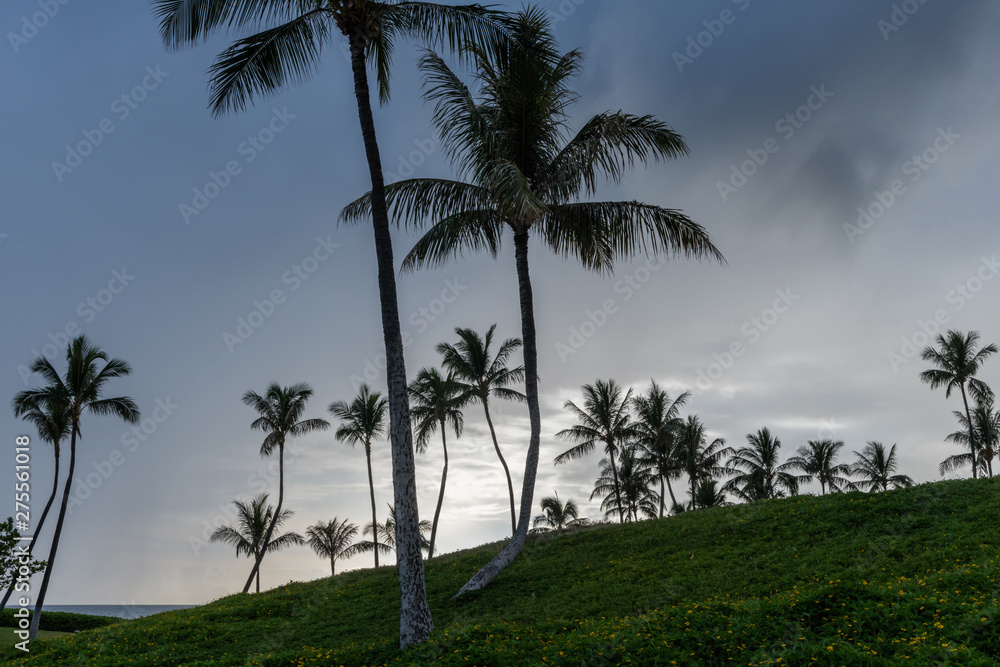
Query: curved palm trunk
{"points": [[618, 495], [670, 490], [38, 526], [444, 480], [530, 349], [972, 435], [371, 488], [506, 470], [36, 617], [415, 623], [255, 572]]}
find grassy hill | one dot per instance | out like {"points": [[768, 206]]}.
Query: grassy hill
{"points": [[905, 577]]}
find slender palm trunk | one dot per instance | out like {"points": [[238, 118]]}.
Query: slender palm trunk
{"points": [[614, 474], [333, 565], [38, 526], [371, 488], [694, 482], [670, 490], [256, 555], [255, 572], [444, 480], [972, 435], [530, 349], [506, 470], [661, 496], [415, 623], [51, 560]]}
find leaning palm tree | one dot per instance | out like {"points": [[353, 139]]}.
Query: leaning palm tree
{"points": [[557, 515], [957, 361], [253, 521], [288, 53], [817, 461], [701, 460], [631, 477], [362, 421], [875, 467], [437, 400], [333, 540], [80, 391], [986, 427], [657, 426], [51, 420], [280, 417], [604, 419], [524, 173], [483, 376], [759, 475]]}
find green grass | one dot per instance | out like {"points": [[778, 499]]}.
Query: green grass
{"points": [[906, 577], [8, 638]]}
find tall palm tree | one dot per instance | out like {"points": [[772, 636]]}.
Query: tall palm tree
{"points": [[701, 460], [483, 376], [526, 175], [557, 516], [437, 400], [384, 535], [51, 420], [817, 461], [280, 417], [957, 361], [604, 418], [80, 390], [759, 475], [362, 421], [289, 53], [657, 426], [986, 427], [333, 540], [253, 521], [875, 467], [633, 478]]}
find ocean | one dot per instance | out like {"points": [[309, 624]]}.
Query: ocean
{"points": [[116, 610]]}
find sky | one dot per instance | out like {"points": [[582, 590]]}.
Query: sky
{"points": [[843, 157]]}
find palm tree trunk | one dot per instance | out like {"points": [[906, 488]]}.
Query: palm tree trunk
{"points": [[415, 622], [614, 474], [661, 496], [255, 556], [972, 435], [670, 490], [444, 480], [255, 572], [38, 526], [371, 488], [36, 617], [506, 470], [694, 483], [530, 349], [333, 565]]}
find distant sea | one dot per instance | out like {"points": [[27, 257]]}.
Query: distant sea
{"points": [[117, 610]]}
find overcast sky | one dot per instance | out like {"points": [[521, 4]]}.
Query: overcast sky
{"points": [[800, 117]]}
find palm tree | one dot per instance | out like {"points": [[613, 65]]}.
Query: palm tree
{"points": [[525, 175], [384, 535], [604, 418], [361, 422], [817, 460], [759, 476], [483, 376], [51, 420], [437, 400], [875, 466], [708, 494], [280, 410], [986, 427], [957, 362], [633, 478], [256, 520], [700, 459], [262, 63], [557, 516], [333, 540], [657, 425], [80, 391]]}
